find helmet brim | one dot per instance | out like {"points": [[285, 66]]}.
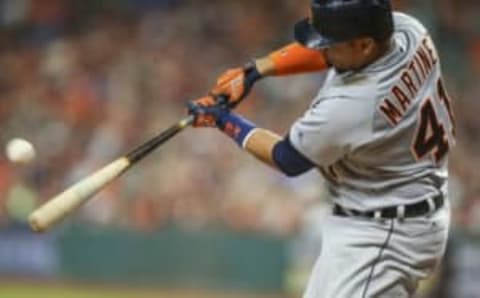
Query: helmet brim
{"points": [[309, 37]]}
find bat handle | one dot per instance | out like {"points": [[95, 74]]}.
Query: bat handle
{"points": [[188, 120], [140, 152]]}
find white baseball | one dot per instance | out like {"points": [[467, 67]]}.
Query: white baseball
{"points": [[20, 151]]}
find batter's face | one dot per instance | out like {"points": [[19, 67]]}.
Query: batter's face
{"points": [[352, 55]]}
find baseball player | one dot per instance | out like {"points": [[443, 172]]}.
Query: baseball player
{"points": [[379, 131]]}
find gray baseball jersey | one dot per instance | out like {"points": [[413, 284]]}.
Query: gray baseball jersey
{"points": [[380, 136]]}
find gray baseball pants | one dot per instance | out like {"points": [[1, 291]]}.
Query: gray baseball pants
{"points": [[363, 257]]}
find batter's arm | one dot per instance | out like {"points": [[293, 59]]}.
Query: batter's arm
{"points": [[276, 152], [291, 59], [235, 84], [263, 144]]}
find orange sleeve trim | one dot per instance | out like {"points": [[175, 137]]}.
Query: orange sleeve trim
{"points": [[294, 59]]}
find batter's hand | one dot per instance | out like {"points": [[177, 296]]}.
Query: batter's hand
{"points": [[235, 84], [207, 110], [215, 112]]}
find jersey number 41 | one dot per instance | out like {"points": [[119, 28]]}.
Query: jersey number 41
{"points": [[430, 137]]}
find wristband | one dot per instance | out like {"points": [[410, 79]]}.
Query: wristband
{"points": [[236, 127], [251, 73]]}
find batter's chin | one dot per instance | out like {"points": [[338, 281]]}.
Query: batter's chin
{"points": [[340, 69]]}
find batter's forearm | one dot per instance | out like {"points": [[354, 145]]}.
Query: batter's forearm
{"points": [[257, 141], [291, 59], [260, 144], [265, 145], [277, 152]]}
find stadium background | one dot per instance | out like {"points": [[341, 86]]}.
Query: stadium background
{"points": [[86, 80]]}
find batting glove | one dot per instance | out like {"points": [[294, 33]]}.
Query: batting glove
{"points": [[207, 110], [211, 112], [235, 84]]}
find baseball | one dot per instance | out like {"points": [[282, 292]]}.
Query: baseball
{"points": [[20, 151]]}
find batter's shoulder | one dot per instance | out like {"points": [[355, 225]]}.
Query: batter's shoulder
{"points": [[347, 109], [333, 126], [404, 21]]}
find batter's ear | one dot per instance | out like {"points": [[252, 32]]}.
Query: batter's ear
{"points": [[367, 46]]}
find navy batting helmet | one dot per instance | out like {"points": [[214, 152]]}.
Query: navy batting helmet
{"points": [[335, 21]]}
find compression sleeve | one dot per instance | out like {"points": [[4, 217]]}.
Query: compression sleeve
{"points": [[295, 59], [289, 160]]}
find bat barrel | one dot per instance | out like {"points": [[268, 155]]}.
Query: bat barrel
{"points": [[66, 202]]}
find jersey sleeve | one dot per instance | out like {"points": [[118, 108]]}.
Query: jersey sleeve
{"points": [[330, 129]]}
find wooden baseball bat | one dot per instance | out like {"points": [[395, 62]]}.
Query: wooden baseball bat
{"points": [[57, 208]]}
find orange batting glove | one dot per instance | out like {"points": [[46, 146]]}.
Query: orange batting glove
{"points": [[235, 84]]}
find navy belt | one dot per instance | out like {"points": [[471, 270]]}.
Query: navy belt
{"points": [[402, 211]]}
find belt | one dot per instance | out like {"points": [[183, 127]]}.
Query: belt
{"points": [[402, 211]]}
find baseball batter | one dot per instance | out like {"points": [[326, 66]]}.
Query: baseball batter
{"points": [[379, 130]]}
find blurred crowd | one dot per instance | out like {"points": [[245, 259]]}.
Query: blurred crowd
{"points": [[86, 81]]}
